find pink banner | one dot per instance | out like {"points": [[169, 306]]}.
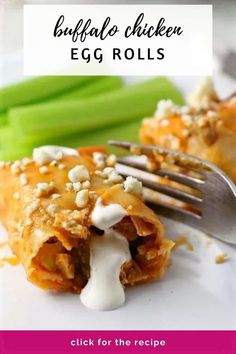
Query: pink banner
{"points": [[166, 342]]}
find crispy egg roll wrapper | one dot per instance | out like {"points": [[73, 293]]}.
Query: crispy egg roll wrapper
{"points": [[51, 236], [213, 141]]}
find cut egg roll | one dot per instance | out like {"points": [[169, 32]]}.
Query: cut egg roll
{"points": [[206, 127], [76, 225]]}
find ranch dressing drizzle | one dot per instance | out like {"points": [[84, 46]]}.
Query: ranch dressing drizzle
{"points": [[105, 216], [104, 290]]}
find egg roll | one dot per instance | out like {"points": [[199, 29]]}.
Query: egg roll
{"points": [[205, 128], [47, 205]]}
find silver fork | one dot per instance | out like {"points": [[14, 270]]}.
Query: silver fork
{"points": [[212, 210]]}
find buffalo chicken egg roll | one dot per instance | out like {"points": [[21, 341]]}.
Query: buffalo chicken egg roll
{"points": [[205, 128], [76, 225]]}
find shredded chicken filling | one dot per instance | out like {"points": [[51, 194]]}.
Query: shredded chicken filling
{"points": [[74, 264]]}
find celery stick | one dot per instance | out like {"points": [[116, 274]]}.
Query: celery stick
{"points": [[3, 118], [7, 136], [37, 89], [91, 88], [104, 84], [14, 154], [120, 132], [124, 131], [123, 105], [127, 131]]}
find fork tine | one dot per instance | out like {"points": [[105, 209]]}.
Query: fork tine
{"points": [[170, 191], [173, 175], [122, 144], [181, 178], [175, 213], [173, 192], [215, 212], [180, 159]]}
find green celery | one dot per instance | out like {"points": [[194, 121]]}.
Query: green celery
{"points": [[125, 131], [3, 119], [98, 86], [104, 84], [37, 89], [116, 107], [11, 154]]}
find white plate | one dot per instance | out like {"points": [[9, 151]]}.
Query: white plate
{"points": [[196, 293]]}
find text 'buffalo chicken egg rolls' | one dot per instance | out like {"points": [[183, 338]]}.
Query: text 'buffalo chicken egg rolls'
{"points": [[76, 225], [205, 128]]}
